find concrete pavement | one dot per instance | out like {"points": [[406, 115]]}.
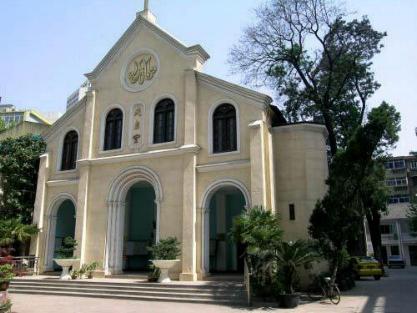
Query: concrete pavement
{"points": [[394, 294]]}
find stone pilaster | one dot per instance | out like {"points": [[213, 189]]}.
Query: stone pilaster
{"points": [[38, 241], [190, 96], [84, 176], [257, 160], [188, 256]]}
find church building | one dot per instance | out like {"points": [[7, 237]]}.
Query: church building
{"points": [[156, 148]]}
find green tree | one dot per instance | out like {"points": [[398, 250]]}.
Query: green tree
{"points": [[19, 163], [319, 62], [356, 188]]}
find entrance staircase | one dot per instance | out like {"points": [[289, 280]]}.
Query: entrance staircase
{"points": [[226, 293]]}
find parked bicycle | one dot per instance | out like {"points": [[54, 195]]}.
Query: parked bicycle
{"points": [[324, 289]]}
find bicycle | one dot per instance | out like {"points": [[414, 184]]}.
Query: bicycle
{"points": [[325, 289]]}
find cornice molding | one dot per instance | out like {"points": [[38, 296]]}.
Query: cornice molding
{"points": [[195, 50], [263, 100], [140, 156], [223, 166], [318, 128]]}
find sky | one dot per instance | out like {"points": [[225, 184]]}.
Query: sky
{"points": [[46, 46]]}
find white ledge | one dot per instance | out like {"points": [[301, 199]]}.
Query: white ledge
{"points": [[62, 182], [140, 156], [214, 167]]}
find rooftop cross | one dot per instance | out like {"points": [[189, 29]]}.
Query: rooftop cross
{"points": [[146, 13], [146, 5]]}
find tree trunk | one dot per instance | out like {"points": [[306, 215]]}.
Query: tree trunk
{"points": [[374, 221]]}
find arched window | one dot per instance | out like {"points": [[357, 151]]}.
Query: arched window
{"points": [[114, 127], [224, 129], [69, 151], [164, 121]]}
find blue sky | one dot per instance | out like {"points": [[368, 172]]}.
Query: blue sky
{"points": [[46, 46]]}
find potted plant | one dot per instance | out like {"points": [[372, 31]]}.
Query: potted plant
{"points": [[65, 257], [290, 256], [86, 271], [164, 257], [6, 275]]}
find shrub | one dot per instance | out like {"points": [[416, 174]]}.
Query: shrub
{"points": [[166, 249], [66, 251], [6, 273]]}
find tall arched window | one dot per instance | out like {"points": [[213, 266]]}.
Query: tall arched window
{"points": [[224, 129], [164, 121], [69, 151], [114, 128]]}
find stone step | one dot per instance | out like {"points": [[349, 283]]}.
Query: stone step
{"points": [[169, 298], [131, 291], [133, 287], [225, 286]]}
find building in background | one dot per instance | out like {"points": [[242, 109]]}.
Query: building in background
{"points": [[397, 239], [20, 122]]}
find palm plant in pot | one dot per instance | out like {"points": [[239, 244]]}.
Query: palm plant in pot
{"points": [[290, 257], [164, 256], [65, 257]]}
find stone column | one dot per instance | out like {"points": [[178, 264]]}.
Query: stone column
{"points": [[114, 239], [38, 241], [84, 176], [188, 256]]}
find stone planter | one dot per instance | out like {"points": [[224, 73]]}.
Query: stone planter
{"points": [[164, 266], [66, 264], [289, 301]]}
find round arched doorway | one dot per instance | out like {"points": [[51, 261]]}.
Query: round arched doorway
{"points": [[223, 202], [140, 226], [62, 221]]}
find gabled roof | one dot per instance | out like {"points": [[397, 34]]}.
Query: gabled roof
{"points": [[262, 99], [140, 21]]}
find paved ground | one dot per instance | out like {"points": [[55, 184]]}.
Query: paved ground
{"points": [[394, 294]]}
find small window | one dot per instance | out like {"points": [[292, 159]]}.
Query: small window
{"points": [[114, 129], [69, 151], [224, 129], [292, 212], [164, 121]]}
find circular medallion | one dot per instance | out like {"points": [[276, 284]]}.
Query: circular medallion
{"points": [[139, 73]]}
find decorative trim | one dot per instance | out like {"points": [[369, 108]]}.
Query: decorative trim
{"points": [[61, 147], [129, 60], [62, 182], [152, 120], [210, 127], [261, 99], [103, 118], [140, 156], [223, 166], [140, 21]]}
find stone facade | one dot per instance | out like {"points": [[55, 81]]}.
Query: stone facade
{"points": [[274, 165]]}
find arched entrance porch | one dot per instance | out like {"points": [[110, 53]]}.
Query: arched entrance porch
{"points": [[222, 202], [126, 197]]}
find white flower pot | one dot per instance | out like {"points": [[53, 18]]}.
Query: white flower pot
{"points": [[66, 264], [164, 266]]}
